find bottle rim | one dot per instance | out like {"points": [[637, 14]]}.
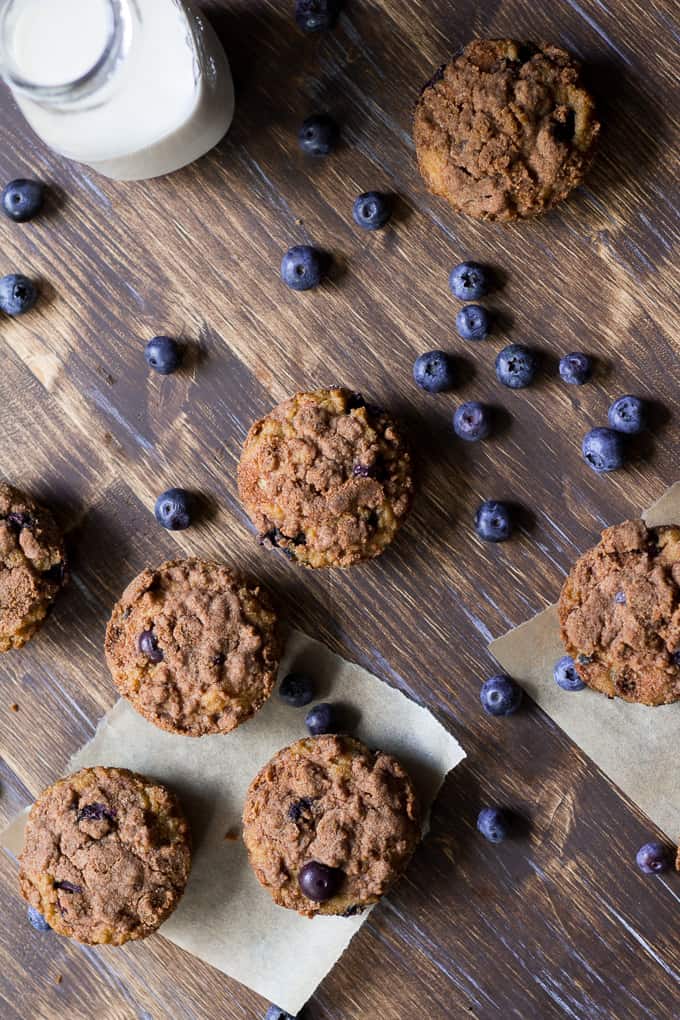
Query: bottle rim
{"points": [[113, 51]]}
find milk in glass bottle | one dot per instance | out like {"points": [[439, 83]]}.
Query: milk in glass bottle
{"points": [[133, 88]]}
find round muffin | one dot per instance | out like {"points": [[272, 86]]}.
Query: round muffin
{"points": [[326, 478], [506, 130], [194, 647], [32, 566], [106, 856], [330, 817], [620, 614]]}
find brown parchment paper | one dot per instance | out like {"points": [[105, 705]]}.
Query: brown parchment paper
{"points": [[225, 917], [635, 745]]}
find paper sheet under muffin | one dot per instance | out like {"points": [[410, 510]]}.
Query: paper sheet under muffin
{"points": [[225, 917], [636, 746]]}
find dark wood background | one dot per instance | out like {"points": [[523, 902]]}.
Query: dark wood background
{"points": [[556, 923]]}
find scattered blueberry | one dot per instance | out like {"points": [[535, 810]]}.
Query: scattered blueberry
{"points": [[22, 200], [516, 366], [321, 719], [494, 824], [653, 858], [472, 322], [318, 882], [296, 689], [603, 449], [566, 675], [316, 15], [173, 509], [493, 521], [472, 421], [18, 294], [434, 372], [276, 1013], [148, 645], [372, 210], [628, 414], [303, 267], [36, 920], [576, 368], [500, 695], [318, 135], [163, 355], [469, 281]]}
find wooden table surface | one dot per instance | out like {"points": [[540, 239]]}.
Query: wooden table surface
{"points": [[557, 922]]}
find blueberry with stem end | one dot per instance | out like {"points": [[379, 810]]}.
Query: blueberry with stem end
{"points": [[163, 355], [472, 323], [18, 294], [372, 210], [434, 372], [318, 135], [23, 199], [500, 695], [469, 281], [303, 267], [472, 421], [576, 368], [604, 450], [566, 675], [628, 414], [173, 509], [493, 521], [296, 690], [653, 858], [516, 367]]}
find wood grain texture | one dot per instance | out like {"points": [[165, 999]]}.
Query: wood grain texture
{"points": [[556, 923]]}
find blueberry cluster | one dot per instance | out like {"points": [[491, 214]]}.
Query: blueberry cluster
{"points": [[605, 449]]}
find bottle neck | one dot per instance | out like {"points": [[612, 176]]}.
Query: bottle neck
{"points": [[62, 52]]}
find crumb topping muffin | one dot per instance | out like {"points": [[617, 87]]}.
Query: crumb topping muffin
{"points": [[620, 614], [32, 566], [506, 130], [326, 478], [329, 825], [106, 856], [194, 647]]}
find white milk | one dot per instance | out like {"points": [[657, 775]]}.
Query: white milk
{"points": [[134, 88]]}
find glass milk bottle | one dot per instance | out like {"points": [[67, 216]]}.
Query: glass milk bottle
{"points": [[133, 88]]}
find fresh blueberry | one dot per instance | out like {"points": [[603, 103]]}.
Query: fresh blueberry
{"points": [[434, 372], [163, 355], [472, 322], [628, 414], [576, 368], [303, 267], [493, 521], [500, 695], [318, 882], [566, 676], [653, 858], [22, 199], [372, 210], [18, 294], [36, 920], [147, 643], [603, 449], [494, 824], [472, 421], [516, 366], [296, 689], [317, 15], [469, 281], [276, 1013], [318, 135], [321, 719], [173, 509]]}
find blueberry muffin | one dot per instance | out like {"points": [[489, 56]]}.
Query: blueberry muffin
{"points": [[329, 825], [193, 647], [326, 478], [32, 566], [106, 856], [506, 130], [620, 614]]}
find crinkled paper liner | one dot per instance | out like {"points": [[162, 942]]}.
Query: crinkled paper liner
{"points": [[635, 745], [225, 917]]}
